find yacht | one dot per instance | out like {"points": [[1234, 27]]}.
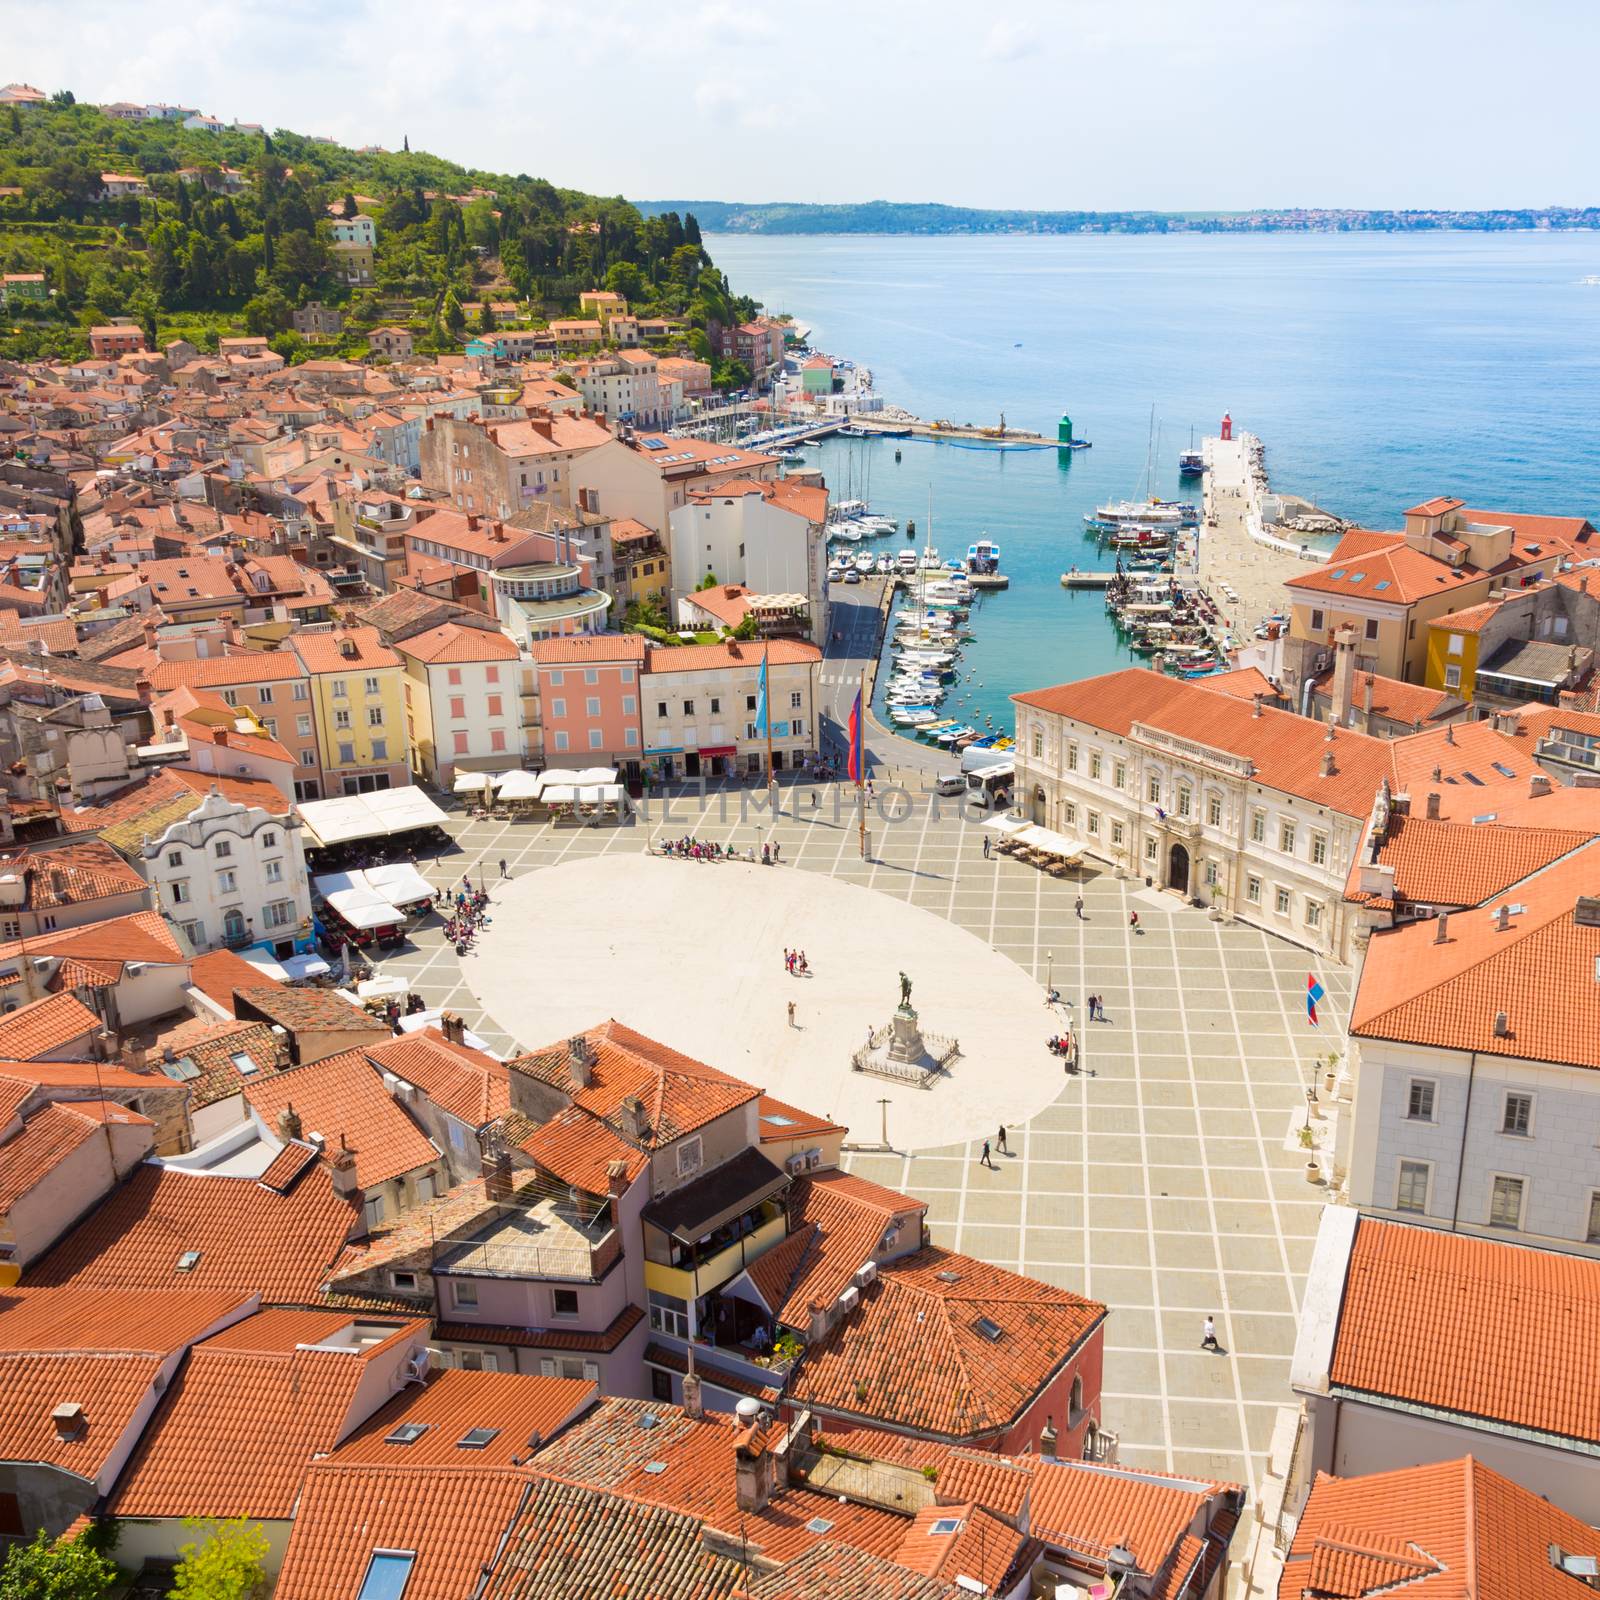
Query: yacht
{"points": [[1151, 513], [906, 563], [864, 565]]}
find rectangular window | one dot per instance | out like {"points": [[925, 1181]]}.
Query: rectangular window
{"points": [[1319, 849], [1214, 811], [561, 739], [1072, 758], [591, 705], [347, 754], [1070, 812], [341, 719], [1149, 849], [452, 676], [497, 740], [1094, 823], [716, 706], [374, 716], [370, 685], [688, 708], [565, 1302], [1411, 1194], [1119, 774], [491, 674], [796, 699], [1316, 622], [302, 726], [669, 1315], [465, 1294], [1153, 789], [462, 742], [594, 738], [1185, 800], [1211, 874], [495, 704], [1258, 827], [300, 691], [1420, 1099], [388, 1572], [341, 689], [558, 708], [230, 697], [227, 882], [1286, 838], [1517, 1117], [591, 675], [224, 849], [380, 749], [1593, 1235], [1457, 644], [1094, 764], [1452, 677], [629, 705], [1313, 913], [1505, 1203], [1281, 900], [458, 707], [1372, 627], [1117, 833], [274, 871]]}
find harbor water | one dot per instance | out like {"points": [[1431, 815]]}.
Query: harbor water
{"points": [[1378, 369]]}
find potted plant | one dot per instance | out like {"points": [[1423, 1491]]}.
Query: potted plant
{"points": [[1313, 1166]]}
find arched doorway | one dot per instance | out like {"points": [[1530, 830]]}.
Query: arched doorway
{"points": [[1039, 805], [1178, 869]]}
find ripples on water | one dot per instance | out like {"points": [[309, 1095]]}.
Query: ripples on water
{"points": [[1378, 369]]}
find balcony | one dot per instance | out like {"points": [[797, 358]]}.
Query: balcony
{"points": [[702, 1273], [552, 1238]]}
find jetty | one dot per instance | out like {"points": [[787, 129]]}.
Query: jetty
{"points": [[1087, 580], [994, 438]]}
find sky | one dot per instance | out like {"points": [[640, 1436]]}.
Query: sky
{"points": [[1077, 104]]}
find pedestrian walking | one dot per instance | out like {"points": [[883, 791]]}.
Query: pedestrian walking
{"points": [[986, 1160], [1077, 905], [791, 1013], [1095, 1014], [986, 847], [1133, 920], [805, 970], [1209, 1340], [1001, 1141], [503, 872]]}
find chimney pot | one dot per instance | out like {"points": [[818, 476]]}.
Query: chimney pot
{"points": [[1538, 784], [345, 1183], [580, 1060], [1441, 934], [69, 1420], [1449, 733], [1433, 807], [1256, 705], [1502, 1025]]}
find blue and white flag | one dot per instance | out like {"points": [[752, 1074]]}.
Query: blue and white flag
{"points": [[761, 698]]}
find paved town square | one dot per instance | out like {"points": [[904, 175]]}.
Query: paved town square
{"points": [[1166, 1179]]}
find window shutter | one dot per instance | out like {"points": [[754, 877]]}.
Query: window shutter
{"points": [[547, 1368], [591, 1371]]}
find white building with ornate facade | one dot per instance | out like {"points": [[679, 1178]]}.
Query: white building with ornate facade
{"points": [[1256, 812]]}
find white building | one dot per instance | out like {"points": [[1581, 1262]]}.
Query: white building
{"points": [[770, 537], [624, 387], [359, 229], [464, 702], [1478, 1081], [233, 876], [701, 704]]}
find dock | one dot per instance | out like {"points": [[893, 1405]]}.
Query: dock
{"points": [[996, 438], [1087, 580]]}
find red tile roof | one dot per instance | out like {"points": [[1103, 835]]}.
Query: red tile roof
{"points": [[342, 1097], [473, 1087], [56, 1024], [1482, 1330], [321, 652], [1538, 971], [555, 1339], [238, 1428], [679, 1093], [594, 647], [1391, 697], [913, 1348], [229, 671], [47, 1138], [451, 1520], [579, 1150], [450, 642], [527, 1411], [829, 1571], [218, 973], [249, 1238], [1286, 750], [1452, 1530], [979, 1547], [730, 653], [794, 1123]]}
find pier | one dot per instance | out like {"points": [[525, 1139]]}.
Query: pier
{"points": [[1087, 580], [998, 438]]}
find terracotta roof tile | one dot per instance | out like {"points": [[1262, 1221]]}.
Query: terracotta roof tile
{"points": [[228, 671], [708, 657], [609, 1450], [679, 1093], [829, 1571], [473, 1087], [342, 1097], [228, 1057], [1538, 970], [57, 1023], [303, 1010], [526, 1411], [594, 647], [218, 973], [780, 1122], [450, 642], [249, 1238], [1476, 1327], [658, 1355], [71, 874], [451, 1520], [238, 1428], [1452, 1530], [554, 1339], [322, 653], [570, 1540], [914, 1345], [46, 1139], [579, 1149], [979, 1546], [1286, 749]]}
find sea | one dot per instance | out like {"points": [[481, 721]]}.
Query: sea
{"points": [[1378, 370]]}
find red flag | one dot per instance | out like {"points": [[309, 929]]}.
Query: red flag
{"points": [[857, 766]]}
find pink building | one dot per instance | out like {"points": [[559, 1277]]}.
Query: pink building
{"points": [[588, 692]]}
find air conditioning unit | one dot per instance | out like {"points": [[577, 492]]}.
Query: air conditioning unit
{"points": [[796, 1162], [417, 1366], [849, 1300], [813, 1159], [134, 968], [866, 1274]]}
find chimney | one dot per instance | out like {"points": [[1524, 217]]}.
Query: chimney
{"points": [[1255, 701], [345, 1184], [1586, 911], [134, 1057], [693, 1401], [1047, 1439], [1437, 775], [616, 1178], [1441, 933], [1327, 764], [69, 1420], [1502, 919], [497, 1181], [1502, 1025], [1449, 733], [472, 522], [1344, 673], [289, 1125], [1538, 785], [816, 1323], [752, 1470], [1433, 807], [454, 1028], [221, 737], [630, 1114], [580, 1060]]}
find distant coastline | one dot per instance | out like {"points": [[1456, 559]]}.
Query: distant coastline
{"points": [[892, 217]]}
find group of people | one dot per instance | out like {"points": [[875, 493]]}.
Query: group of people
{"points": [[466, 915], [796, 964], [1065, 1045]]}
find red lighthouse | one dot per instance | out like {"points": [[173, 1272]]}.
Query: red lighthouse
{"points": [[1227, 426]]}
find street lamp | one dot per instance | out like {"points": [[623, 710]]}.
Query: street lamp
{"points": [[1049, 970]]}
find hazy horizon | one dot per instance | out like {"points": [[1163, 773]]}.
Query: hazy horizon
{"points": [[1152, 106]]}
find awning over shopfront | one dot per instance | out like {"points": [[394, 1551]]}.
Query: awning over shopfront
{"points": [[378, 815]]}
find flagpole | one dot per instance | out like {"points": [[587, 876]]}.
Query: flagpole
{"points": [[766, 705], [861, 762]]}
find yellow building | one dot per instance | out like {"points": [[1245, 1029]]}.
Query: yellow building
{"points": [[1452, 662], [1388, 588], [358, 705]]}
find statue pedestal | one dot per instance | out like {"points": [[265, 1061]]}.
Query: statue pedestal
{"points": [[905, 1037]]}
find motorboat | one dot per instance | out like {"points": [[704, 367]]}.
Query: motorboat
{"points": [[882, 566], [1152, 513], [906, 563]]}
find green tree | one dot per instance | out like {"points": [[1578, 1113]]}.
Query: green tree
{"points": [[268, 312], [455, 319], [625, 278], [229, 1563], [49, 1570], [486, 316], [350, 206]]}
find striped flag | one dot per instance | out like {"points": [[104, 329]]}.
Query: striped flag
{"points": [[856, 768], [761, 697], [1314, 992]]}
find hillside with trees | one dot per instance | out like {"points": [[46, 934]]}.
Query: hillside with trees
{"points": [[235, 231]]}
